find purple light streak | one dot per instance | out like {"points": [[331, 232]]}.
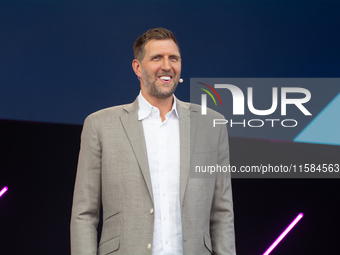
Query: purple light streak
{"points": [[284, 233], [3, 191]]}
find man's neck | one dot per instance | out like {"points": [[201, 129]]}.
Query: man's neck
{"points": [[163, 105]]}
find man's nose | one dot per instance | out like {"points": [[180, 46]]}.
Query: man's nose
{"points": [[166, 65]]}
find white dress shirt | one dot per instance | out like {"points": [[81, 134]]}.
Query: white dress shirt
{"points": [[163, 149]]}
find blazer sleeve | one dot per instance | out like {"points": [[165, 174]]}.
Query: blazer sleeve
{"points": [[87, 193], [222, 216]]}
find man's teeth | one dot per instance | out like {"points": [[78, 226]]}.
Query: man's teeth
{"points": [[165, 78]]}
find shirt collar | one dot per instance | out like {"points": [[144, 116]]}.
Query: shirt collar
{"points": [[145, 108]]}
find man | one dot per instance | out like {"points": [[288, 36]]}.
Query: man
{"points": [[134, 161]]}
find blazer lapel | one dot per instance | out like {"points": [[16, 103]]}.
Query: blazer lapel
{"points": [[186, 129], [135, 133]]}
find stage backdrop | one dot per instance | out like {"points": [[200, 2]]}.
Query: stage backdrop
{"points": [[62, 60]]}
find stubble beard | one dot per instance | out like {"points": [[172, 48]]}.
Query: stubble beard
{"points": [[154, 89]]}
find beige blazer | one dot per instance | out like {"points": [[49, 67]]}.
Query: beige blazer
{"points": [[113, 173]]}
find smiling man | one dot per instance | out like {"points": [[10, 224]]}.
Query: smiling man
{"points": [[161, 64], [134, 162], [157, 64]]}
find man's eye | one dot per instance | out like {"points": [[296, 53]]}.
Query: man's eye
{"points": [[155, 58], [174, 59]]}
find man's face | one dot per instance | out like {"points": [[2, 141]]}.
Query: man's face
{"points": [[161, 68]]}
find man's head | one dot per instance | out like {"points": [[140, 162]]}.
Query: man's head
{"points": [[157, 63], [152, 34]]}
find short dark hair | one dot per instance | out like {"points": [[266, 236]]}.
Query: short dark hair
{"points": [[152, 34]]}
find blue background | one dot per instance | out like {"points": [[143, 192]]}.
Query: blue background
{"points": [[62, 60]]}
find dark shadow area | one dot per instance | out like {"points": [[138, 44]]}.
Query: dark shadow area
{"points": [[38, 164]]}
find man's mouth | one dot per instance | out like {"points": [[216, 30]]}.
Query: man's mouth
{"points": [[165, 78]]}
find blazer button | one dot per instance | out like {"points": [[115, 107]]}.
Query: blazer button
{"points": [[151, 211], [148, 246]]}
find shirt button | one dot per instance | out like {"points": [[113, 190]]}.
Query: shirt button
{"points": [[164, 218], [148, 246], [163, 170], [151, 211], [166, 242], [163, 194]]}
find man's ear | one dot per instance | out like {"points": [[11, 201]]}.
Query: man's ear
{"points": [[136, 66]]}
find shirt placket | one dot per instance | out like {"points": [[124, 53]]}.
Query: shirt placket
{"points": [[164, 190]]}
